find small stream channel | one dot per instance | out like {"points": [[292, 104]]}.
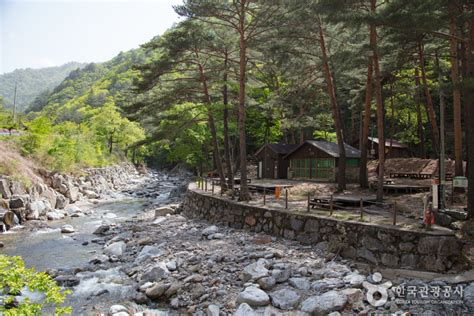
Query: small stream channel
{"points": [[50, 249]]}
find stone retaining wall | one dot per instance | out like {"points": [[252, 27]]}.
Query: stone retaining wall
{"points": [[378, 245]]}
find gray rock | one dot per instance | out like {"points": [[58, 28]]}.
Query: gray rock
{"points": [[267, 283], [61, 202], [324, 304], [244, 309], [367, 255], [172, 265], [428, 245], [213, 310], [300, 283], [18, 201], [406, 246], [115, 249], [285, 299], [115, 309], [254, 271], [323, 246], [148, 252], [156, 273], [354, 279], [158, 290], [67, 280], [72, 194], [281, 275], [101, 229], [163, 211], [210, 230], [67, 229], [38, 207], [254, 297], [327, 284], [5, 189], [31, 215], [469, 296], [54, 215]]}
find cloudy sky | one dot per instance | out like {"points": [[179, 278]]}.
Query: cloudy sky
{"points": [[37, 33]]}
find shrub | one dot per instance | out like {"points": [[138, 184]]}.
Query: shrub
{"points": [[14, 278]]}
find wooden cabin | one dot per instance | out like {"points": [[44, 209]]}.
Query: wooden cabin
{"points": [[396, 150], [319, 160], [271, 164]]}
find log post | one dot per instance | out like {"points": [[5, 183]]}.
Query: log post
{"points": [[286, 198], [309, 198], [361, 209], [394, 214], [205, 181], [330, 206], [264, 196]]}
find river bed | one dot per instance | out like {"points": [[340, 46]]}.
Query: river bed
{"points": [[47, 248]]}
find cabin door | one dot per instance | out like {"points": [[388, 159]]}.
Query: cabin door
{"points": [[260, 169]]}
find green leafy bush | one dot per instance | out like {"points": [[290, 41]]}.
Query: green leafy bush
{"points": [[14, 278]]}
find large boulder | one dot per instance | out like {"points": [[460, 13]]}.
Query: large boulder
{"points": [[18, 201], [324, 304], [61, 202], [285, 299], [17, 188], [54, 215], [148, 252], [253, 296], [38, 207], [115, 249], [67, 229], [72, 193], [5, 189], [255, 271], [158, 272]]}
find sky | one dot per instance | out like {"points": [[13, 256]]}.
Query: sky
{"points": [[37, 33]]}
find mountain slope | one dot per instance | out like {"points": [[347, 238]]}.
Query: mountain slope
{"points": [[32, 82]]}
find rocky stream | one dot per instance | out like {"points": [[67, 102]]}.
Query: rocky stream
{"points": [[125, 249]]}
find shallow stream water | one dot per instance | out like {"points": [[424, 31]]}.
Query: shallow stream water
{"points": [[49, 248]]}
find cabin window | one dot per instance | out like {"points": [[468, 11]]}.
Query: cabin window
{"points": [[352, 162], [300, 168], [312, 168]]}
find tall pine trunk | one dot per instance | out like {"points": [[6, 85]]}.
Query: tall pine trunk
{"points": [[469, 96], [364, 141], [244, 191], [419, 118], [453, 45], [212, 127], [225, 96], [336, 113], [429, 100], [379, 102]]}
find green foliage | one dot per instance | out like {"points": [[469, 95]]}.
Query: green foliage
{"points": [[15, 278]]}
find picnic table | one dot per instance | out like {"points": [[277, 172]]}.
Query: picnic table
{"points": [[270, 187], [341, 201], [217, 181], [411, 175]]}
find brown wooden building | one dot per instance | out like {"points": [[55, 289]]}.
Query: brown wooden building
{"points": [[271, 164], [318, 160], [395, 150]]}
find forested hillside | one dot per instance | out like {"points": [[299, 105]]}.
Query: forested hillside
{"points": [[32, 82], [218, 85]]}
